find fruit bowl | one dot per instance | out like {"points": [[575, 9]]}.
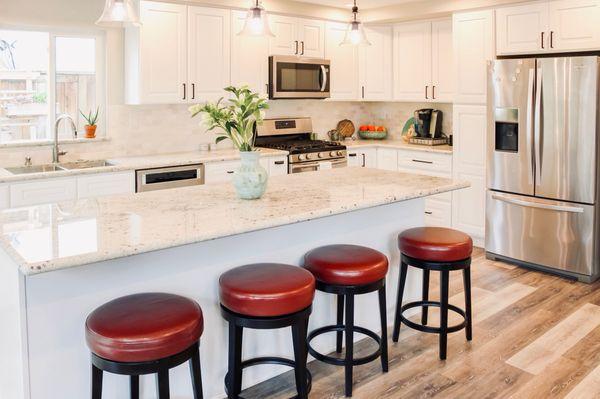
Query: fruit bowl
{"points": [[372, 134]]}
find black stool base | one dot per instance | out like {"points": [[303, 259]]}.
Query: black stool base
{"points": [[339, 361], [159, 367], [237, 322]]}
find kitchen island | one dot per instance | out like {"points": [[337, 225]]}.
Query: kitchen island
{"points": [[58, 262]]}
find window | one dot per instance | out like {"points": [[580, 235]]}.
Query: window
{"points": [[44, 75]]}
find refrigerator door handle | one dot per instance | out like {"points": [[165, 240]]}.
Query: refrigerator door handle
{"points": [[539, 205], [537, 131], [529, 122]]}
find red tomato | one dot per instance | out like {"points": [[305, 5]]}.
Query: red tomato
{"points": [[380, 129]]}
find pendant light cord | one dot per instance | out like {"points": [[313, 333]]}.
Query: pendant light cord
{"points": [[355, 10]]}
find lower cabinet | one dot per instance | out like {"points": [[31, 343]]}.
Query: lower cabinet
{"points": [[438, 210], [103, 184], [37, 192], [4, 197], [387, 159], [219, 172], [363, 157]]}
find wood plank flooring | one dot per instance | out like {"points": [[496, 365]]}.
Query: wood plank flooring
{"points": [[534, 336]]}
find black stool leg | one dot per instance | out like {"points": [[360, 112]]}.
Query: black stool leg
{"points": [[401, 283], [134, 387], [444, 283], [235, 361], [425, 309], [96, 383], [300, 354], [349, 330], [383, 315], [196, 373], [162, 383], [340, 320], [467, 288]]}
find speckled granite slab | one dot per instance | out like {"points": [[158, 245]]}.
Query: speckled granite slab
{"points": [[51, 237]]}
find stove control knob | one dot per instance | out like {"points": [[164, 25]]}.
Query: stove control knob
{"points": [[340, 153], [308, 156], [301, 157], [332, 154], [321, 155]]}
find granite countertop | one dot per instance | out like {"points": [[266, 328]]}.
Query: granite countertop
{"points": [[142, 162], [50, 237], [399, 144]]}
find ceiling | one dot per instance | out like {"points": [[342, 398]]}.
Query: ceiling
{"points": [[362, 4]]}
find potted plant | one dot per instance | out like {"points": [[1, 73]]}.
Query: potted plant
{"points": [[235, 119], [91, 119]]}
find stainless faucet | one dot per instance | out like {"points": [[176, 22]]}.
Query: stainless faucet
{"points": [[56, 153]]}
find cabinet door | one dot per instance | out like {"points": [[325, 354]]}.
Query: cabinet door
{"points": [[219, 172], [387, 159], [344, 63], [369, 157], [209, 52], [355, 158], [286, 40], [249, 57], [438, 213], [311, 34], [575, 25], [442, 63], [37, 192], [375, 64], [522, 29], [277, 166], [4, 197], [473, 48], [102, 184], [412, 61], [163, 53]]}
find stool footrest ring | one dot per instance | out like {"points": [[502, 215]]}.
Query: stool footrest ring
{"points": [[271, 360], [341, 361], [428, 329]]}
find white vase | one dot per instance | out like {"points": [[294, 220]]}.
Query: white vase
{"points": [[250, 180]]}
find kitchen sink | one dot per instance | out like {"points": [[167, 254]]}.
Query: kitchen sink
{"points": [[22, 170], [85, 164]]}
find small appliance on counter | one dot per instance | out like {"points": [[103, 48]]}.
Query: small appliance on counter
{"points": [[428, 127]]}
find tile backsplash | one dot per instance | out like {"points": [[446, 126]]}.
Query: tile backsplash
{"points": [[154, 129]]}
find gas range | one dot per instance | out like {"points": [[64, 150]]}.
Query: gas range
{"points": [[293, 135]]}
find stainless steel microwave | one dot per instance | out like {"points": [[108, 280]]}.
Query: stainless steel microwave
{"points": [[295, 77]]}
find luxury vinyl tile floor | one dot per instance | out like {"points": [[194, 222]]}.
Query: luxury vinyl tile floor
{"points": [[534, 336]]}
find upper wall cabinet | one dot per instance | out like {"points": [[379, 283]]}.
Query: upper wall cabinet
{"points": [[297, 36], [180, 54], [423, 67], [344, 63], [249, 57], [548, 27], [375, 64], [473, 34]]}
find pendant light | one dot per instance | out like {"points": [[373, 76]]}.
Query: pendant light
{"points": [[355, 34], [119, 14], [257, 22]]}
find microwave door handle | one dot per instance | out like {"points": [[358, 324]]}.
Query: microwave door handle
{"points": [[538, 127], [324, 75]]}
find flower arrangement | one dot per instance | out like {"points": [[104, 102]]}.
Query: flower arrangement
{"points": [[235, 117], [92, 119]]}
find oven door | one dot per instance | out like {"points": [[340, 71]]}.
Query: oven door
{"points": [[294, 77], [317, 165]]}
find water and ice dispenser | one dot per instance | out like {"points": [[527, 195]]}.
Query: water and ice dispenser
{"points": [[507, 129]]}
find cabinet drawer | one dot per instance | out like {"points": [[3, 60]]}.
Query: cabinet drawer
{"points": [[4, 197], [387, 158], [438, 212], [425, 162], [42, 192], [218, 172], [105, 184], [277, 166]]}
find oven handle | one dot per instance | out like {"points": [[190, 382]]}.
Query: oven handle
{"points": [[324, 77]]}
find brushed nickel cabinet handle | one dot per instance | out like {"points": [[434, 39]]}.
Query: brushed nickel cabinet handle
{"points": [[302, 48], [363, 91], [433, 92], [184, 91], [542, 40], [279, 162], [426, 92], [193, 91], [296, 41], [551, 39]]}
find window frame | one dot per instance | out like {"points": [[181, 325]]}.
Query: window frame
{"points": [[99, 36]]}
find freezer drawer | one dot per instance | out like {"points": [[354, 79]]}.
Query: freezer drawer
{"points": [[554, 234]]}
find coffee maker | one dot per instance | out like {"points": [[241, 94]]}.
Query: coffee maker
{"points": [[428, 123]]}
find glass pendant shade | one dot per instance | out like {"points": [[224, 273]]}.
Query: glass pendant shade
{"points": [[355, 35], [257, 22], [119, 13]]}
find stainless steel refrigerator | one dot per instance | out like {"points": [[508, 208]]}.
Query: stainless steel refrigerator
{"points": [[542, 153]]}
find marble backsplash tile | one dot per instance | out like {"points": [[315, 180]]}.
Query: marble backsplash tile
{"points": [[148, 129]]}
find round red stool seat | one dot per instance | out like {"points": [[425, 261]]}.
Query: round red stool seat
{"points": [[346, 264], [144, 327], [435, 244], [266, 289]]}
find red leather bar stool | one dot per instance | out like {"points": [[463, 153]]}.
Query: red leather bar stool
{"points": [[146, 333], [435, 249], [346, 271], [267, 296]]}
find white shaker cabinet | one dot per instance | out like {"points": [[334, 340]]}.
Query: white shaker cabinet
{"points": [[344, 63], [249, 57], [423, 61], [387, 159], [156, 55], [209, 52], [275, 166], [574, 25], [4, 197], [473, 34], [362, 157], [297, 36], [375, 64], [36, 192], [522, 29], [103, 184]]}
